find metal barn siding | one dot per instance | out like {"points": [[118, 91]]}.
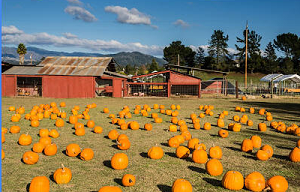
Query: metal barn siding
{"points": [[9, 85], [68, 87]]}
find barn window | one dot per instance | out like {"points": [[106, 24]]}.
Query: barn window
{"points": [[29, 86]]}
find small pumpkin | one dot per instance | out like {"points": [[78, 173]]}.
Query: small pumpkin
{"points": [[73, 150], [14, 129], [148, 126], [110, 189], [295, 154], [38, 147], [98, 129], [182, 185], [50, 150], [268, 149], [233, 180], [187, 135], [197, 126], [62, 175], [192, 143], [73, 119], [80, 131], [256, 140], [87, 154], [262, 155], [90, 124], [215, 152], [214, 167], [45, 141], [30, 157], [255, 181], [223, 133], [39, 184], [250, 123], [173, 128], [25, 139], [220, 123], [207, 126], [123, 144], [113, 134], [59, 123], [247, 145], [134, 125], [262, 127], [182, 152], [236, 118], [236, 127], [54, 133], [128, 180], [173, 142], [43, 132], [119, 161], [155, 152]]}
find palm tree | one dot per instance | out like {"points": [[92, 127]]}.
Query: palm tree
{"points": [[21, 51]]}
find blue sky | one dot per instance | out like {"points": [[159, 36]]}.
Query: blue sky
{"points": [[110, 26]]}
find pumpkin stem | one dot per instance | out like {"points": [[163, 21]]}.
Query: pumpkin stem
{"points": [[267, 188], [63, 167], [130, 181]]}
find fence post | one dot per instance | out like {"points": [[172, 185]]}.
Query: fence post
{"points": [[236, 89]]}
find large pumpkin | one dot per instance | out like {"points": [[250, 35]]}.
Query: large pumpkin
{"points": [[199, 156], [14, 129], [73, 150], [128, 180], [43, 132], [262, 155], [155, 152], [38, 147], [215, 152], [173, 142], [255, 181], [278, 184], [247, 145], [233, 180], [119, 161], [59, 123], [123, 144], [113, 134], [39, 184], [182, 185], [256, 140], [30, 157], [87, 154], [214, 167], [62, 175], [50, 150], [295, 154], [25, 139]]}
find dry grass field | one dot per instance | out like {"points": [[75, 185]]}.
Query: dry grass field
{"points": [[151, 175]]}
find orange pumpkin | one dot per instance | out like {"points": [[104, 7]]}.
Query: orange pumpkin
{"points": [[215, 152], [50, 150], [128, 180], [110, 189], [90, 124], [155, 152], [38, 147], [45, 141], [25, 139], [278, 184], [14, 129], [182, 185], [35, 123], [62, 175], [87, 154], [207, 126], [134, 125], [199, 156], [262, 155], [113, 134], [148, 126], [73, 150], [173, 142], [233, 180], [123, 144], [223, 133], [39, 184], [98, 129], [182, 152], [119, 161], [54, 133], [30, 158], [255, 181], [214, 167], [80, 131]]}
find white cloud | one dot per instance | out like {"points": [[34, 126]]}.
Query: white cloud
{"points": [[75, 2], [181, 23], [132, 16], [10, 30], [205, 48], [65, 41], [80, 13], [69, 35]]}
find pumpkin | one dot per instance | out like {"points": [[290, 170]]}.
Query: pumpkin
{"points": [[199, 156], [155, 152], [155, 106], [298, 143], [121, 122], [173, 128], [38, 147], [59, 123], [119, 161], [87, 154], [158, 120], [220, 123], [110, 189], [262, 127], [247, 145], [45, 141], [180, 138], [30, 157], [123, 144], [34, 123], [187, 135], [233, 180], [207, 126], [261, 111], [80, 131], [200, 146], [182, 185], [14, 129], [50, 150], [39, 184], [268, 149], [148, 126], [54, 133], [214, 167], [182, 152], [201, 107], [62, 104], [215, 152], [277, 184], [128, 180], [244, 98], [195, 120], [262, 155], [15, 118], [223, 133], [201, 115], [53, 116], [255, 181], [4, 130], [250, 123], [192, 143], [62, 175], [98, 129], [295, 154], [2, 154], [73, 150], [25, 139], [197, 126], [113, 134], [256, 140], [251, 110], [269, 118], [181, 122], [43, 132], [90, 124], [174, 120], [242, 109], [236, 127], [12, 108], [173, 142], [122, 136], [236, 118], [193, 116], [134, 125], [73, 119]]}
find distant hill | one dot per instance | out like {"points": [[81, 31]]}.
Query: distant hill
{"points": [[9, 54]]}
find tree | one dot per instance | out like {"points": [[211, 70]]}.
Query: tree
{"points": [[186, 54], [142, 70], [289, 44], [153, 66], [129, 69], [255, 60], [22, 50], [200, 57], [270, 58], [218, 46]]}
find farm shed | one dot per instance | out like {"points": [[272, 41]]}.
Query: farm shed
{"points": [[164, 84], [65, 77]]}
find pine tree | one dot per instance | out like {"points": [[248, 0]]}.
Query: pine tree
{"points": [[200, 57], [218, 46]]}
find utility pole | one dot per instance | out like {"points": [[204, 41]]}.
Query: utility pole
{"points": [[246, 55], [178, 61]]}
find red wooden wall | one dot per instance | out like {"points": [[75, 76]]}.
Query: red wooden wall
{"points": [[214, 87], [68, 87], [9, 85], [180, 79]]}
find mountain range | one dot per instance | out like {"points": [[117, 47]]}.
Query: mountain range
{"points": [[10, 55]]}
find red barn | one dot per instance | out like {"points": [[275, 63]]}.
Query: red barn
{"points": [[65, 77]]}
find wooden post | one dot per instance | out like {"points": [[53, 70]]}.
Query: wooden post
{"points": [[236, 90], [199, 92], [246, 55], [226, 86], [272, 89]]}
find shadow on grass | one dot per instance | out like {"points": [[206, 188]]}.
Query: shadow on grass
{"points": [[107, 163], [118, 181], [214, 135], [143, 154], [212, 181], [282, 157], [114, 146], [250, 157], [275, 137], [171, 154], [27, 187], [197, 169], [284, 147], [165, 144], [164, 188], [234, 148]]}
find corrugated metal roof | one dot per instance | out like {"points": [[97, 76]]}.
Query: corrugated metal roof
{"points": [[75, 66], [22, 70], [270, 77], [292, 77]]}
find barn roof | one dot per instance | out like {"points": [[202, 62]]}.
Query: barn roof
{"points": [[22, 70], [76, 66]]}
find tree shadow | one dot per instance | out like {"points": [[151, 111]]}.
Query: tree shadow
{"points": [[282, 157], [107, 163], [212, 181], [284, 147], [197, 169], [118, 181], [143, 154], [164, 188]]}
